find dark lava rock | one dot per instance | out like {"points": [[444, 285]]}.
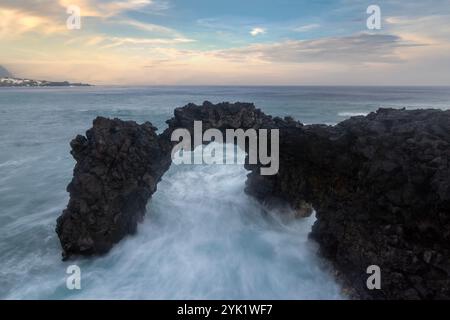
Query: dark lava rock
{"points": [[380, 186], [220, 116], [118, 166]]}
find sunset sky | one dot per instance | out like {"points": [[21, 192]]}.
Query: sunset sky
{"points": [[233, 42]]}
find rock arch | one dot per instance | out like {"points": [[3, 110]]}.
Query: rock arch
{"points": [[380, 185]]}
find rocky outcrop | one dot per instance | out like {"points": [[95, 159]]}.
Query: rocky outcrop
{"points": [[118, 166], [380, 186], [397, 215]]}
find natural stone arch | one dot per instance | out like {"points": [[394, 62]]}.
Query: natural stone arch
{"points": [[119, 164], [380, 186]]}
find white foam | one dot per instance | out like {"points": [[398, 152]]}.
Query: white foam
{"points": [[13, 163], [352, 114], [202, 238]]}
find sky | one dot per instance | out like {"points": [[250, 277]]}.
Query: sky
{"points": [[232, 42]]}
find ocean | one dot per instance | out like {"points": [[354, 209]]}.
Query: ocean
{"points": [[203, 237]]}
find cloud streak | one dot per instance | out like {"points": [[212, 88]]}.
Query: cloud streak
{"points": [[355, 49], [118, 41], [307, 27]]}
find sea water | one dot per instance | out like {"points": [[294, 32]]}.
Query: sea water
{"points": [[202, 237]]}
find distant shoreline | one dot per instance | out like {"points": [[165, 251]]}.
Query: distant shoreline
{"points": [[8, 82], [64, 85]]}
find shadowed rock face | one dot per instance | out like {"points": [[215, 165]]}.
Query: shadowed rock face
{"points": [[380, 186], [381, 189], [118, 166]]}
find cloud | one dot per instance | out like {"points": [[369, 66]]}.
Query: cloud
{"points": [[145, 26], [257, 31], [433, 28], [307, 27], [355, 49], [49, 16], [89, 8], [95, 8], [14, 22], [127, 41], [112, 47]]}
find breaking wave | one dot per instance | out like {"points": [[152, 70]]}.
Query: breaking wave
{"points": [[203, 238]]}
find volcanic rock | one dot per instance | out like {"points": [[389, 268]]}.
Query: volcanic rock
{"points": [[380, 186]]}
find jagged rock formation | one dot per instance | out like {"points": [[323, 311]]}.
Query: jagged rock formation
{"points": [[380, 186], [381, 189], [118, 166]]}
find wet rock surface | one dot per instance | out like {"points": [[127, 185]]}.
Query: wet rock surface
{"points": [[380, 186]]}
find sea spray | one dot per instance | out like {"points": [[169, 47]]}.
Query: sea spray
{"points": [[202, 238]]}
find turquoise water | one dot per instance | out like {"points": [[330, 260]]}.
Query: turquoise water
{"points": [[202, 237]]}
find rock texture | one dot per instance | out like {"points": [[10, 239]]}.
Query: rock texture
{"points": [[393, 210], [380, 186], [381, 189], [118, 166]]}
